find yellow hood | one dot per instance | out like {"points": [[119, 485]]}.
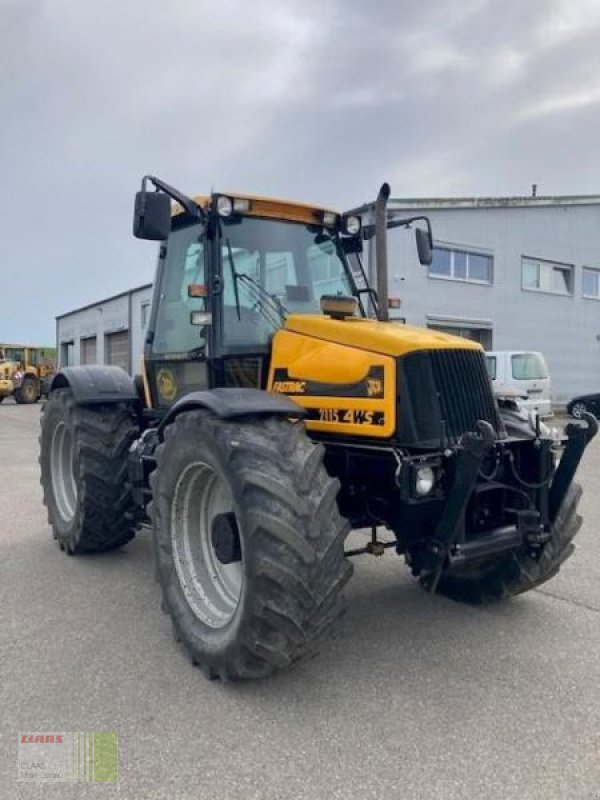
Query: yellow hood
{"points": [[388, 338]]}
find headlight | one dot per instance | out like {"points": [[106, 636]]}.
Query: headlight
{"points": [[424, 480], [351, 225]]}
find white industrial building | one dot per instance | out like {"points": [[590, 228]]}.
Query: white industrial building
{"points": [[109, 331], [516, 273]]}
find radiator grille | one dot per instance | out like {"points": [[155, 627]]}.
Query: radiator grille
{"points": [[443, 393], [464, 390]]}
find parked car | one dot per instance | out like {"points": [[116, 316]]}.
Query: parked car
{"points": [[584, 402], [522, 373]]}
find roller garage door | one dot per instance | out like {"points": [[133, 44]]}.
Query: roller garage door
{"points": [[88, 350], [117, 349]]}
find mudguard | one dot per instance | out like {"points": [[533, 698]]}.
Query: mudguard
{"points": [[232, 402], [96, 384]]}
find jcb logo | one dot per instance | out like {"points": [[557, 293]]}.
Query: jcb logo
{"points": [[374, 387], [289, 387]]}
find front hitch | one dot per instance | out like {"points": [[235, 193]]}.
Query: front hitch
{"points": [[472, 449], [579, 436]]}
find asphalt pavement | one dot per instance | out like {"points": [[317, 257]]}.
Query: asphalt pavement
{"points": [[413, 697]]}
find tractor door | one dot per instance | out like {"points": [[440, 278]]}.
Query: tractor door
{"points": [[177, 350]]}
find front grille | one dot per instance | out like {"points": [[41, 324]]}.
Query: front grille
{"points": [[442, 394], [464, 390]]}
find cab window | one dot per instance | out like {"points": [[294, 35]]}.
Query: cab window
{"points": [[183, 267]]}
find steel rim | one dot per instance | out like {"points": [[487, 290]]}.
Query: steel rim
{"points": [[213, 590], [64, 485], [578, 410]]}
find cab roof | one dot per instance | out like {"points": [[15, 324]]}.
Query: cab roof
{"points": [[270, 207]]}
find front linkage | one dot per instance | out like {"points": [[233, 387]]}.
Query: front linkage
{"points": [[450, 550]]}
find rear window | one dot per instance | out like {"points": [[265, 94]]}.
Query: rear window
{"points": [[528, 367], [490, 363]]}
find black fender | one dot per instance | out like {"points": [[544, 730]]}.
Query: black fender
{"points": [[228, 403], [96, 383]]}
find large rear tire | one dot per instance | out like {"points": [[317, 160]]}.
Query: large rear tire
{"points": [[511, 575], [249, 542], [83, 461]]}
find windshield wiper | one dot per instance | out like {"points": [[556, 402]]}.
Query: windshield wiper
{"points": [[266, 299], [234, 278]]}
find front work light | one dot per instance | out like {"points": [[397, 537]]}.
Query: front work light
{"points": [[329, 219], [424, 480], [241, 205], [351, 224], [224, 206]]}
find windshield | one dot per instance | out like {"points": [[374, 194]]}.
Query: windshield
{"points": [[272, 268], [529, 366]]}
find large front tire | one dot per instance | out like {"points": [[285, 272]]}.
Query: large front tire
{"points": [[83, 461], [514, 574], [249, 542]]}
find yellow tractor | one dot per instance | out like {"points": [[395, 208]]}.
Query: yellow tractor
{"points": [[274, 414], [25, 371]]}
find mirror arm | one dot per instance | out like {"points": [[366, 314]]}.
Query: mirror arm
{"points": [[368, 231], [405, 223], [184, 201]]}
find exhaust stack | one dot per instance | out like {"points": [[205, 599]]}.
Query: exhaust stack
{"points": [[381, 260]]}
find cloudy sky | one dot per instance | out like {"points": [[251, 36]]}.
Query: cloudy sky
{"points": [[317, 101]]}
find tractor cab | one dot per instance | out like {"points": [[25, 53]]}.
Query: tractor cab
{"points": [[232, 270], [230, 273]]}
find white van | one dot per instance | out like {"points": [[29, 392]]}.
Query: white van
{"points": [[518, 372]]}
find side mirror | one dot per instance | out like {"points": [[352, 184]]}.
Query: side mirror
{"points": [[424, 246], [152, 216], [352, 245]]}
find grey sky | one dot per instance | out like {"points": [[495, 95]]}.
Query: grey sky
{"points": [[313, 101]]}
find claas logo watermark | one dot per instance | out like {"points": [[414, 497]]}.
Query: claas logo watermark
{"points": [[67, 757]]}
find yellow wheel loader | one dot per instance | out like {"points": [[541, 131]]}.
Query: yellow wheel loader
{"points": [[25, 371], [274, 413]]}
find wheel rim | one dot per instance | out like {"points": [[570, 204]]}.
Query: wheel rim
{"points": [[212, 589], [29, 391], [578, 410], [64, 485]]}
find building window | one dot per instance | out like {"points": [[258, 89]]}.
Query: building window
{"points": [[67, 353], [145, 314], [547, 276], [591, 283], [461, 265]]}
